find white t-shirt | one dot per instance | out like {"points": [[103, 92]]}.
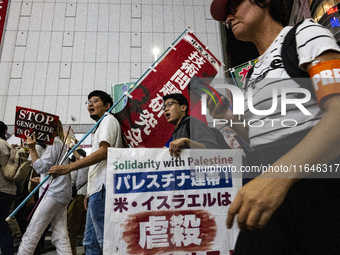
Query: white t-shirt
{"points": [[110, 132], [311, 39], [60, 188]]}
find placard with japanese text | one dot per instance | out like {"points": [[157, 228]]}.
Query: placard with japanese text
{"points": [[156, 204]]}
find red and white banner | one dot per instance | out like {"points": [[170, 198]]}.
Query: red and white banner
{"points": [[43, 124], [3, 12], [142, 119]]}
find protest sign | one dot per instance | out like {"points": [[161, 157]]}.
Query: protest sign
{"points": [[43, 124], [142, 119], [156, 204]]}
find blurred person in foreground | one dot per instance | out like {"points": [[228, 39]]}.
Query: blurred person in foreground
{"points": [[286, 212]]}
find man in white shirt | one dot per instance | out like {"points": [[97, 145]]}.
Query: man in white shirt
{"points": [[107, 134]]}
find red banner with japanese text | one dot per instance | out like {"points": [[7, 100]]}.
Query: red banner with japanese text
{"points": [[3, 12], [142, 119]]}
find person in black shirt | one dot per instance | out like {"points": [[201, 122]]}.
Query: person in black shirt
{"points": [[189, 132]]}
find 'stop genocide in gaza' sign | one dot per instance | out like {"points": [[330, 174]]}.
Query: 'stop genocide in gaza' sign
{"points": [[43, 124]]}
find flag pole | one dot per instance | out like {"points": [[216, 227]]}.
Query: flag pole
{"points": [[94, 127]]}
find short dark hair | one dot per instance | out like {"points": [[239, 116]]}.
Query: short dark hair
{"points": [[182, 100], [3, 130], [81, 152], [279, 10], [102, 95]]}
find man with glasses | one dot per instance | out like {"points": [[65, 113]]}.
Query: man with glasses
{"points": [[286, 211], [107, 134], [189, 132]]}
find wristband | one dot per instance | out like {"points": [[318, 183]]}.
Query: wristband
{"points": [[326, 79]]}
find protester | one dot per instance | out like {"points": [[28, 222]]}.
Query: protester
{"points": [[189, 132], [33, 183], [7, 194], [287, 215], [76, 213], [53, 207], [108, 134]]}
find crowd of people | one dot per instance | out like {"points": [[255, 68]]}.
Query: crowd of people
{"points": [[277, 214], [56, 211]]}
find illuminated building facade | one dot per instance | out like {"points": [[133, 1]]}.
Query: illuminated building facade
{"points": [[326, 12]]}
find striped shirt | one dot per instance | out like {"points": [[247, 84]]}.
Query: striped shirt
{"points": [[269, 76]]}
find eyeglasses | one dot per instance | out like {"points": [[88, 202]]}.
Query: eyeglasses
{"points": [[232, 6], [93, 101], [168, 104]]}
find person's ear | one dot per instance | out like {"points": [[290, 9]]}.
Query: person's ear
{"points": [[184, 107], [107, 106]]}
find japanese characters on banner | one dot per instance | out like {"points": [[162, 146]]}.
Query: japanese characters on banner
{"points": [[43, 124], [241, 73], [3, 11], [156, 204], [142, 119]]}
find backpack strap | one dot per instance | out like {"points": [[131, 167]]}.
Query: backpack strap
{"points": [[290, 61]]}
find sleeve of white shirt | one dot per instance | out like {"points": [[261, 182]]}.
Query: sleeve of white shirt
{"points": [[312, 39], [109, 130], [48, 158]]}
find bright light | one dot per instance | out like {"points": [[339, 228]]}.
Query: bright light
{"points": [[155, 51]]}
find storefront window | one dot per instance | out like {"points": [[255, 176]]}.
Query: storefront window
{"points": [[319, 12], [327, 5]]}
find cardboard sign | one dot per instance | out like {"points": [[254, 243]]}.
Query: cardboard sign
{"points": [[142, 119], [43, 124], [156, 204]]}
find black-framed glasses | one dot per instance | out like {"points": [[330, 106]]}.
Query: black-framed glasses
{"points": [[168, 104]]}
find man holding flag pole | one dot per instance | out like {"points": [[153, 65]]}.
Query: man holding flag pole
{"points": [[107, 134]]}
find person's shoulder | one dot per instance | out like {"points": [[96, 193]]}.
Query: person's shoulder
{"points": [[4, 146], [309, 24], [108, 125], [57, 140], [110, 118], [195, 120]]}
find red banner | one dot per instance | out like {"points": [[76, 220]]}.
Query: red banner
{"points": [[3, 11], [43, 124], [142, 119]]}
